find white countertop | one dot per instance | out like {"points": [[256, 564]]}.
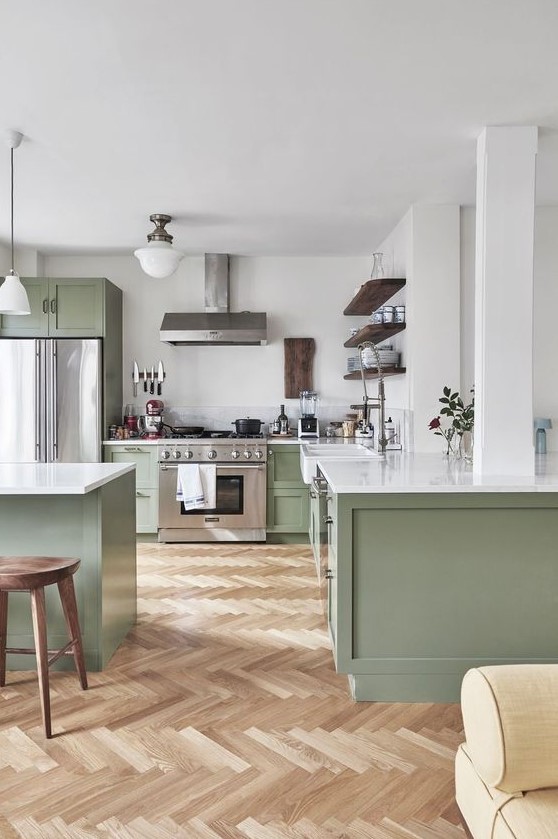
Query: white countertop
{"points": [[58, 478], [134, 441], [401, 472]]}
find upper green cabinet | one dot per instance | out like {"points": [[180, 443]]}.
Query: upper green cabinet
{"points": [[61, 307]]}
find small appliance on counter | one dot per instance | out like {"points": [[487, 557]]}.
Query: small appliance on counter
{"points": [[308, 423], [150, 424]]}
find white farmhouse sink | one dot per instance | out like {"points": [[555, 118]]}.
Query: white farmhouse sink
{"points": [[311, 453]]}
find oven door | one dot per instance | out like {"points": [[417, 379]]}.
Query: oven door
{"points": [[240, 506]]}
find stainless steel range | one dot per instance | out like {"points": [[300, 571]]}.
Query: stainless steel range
{"points": [[240, 508]]}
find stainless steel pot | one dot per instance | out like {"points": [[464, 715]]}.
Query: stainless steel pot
{"points": [[247, 426]]}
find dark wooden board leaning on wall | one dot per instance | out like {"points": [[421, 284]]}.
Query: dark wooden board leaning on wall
{"points": [[299, 363]]}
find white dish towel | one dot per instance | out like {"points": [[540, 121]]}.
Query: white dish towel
{"points": [[196, 485]]}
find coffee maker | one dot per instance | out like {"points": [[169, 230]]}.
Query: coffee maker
{"points": [[308, 422], [150, 424]]}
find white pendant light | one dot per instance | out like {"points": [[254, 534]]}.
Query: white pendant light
{"points": [[13, 297], [159, 259]]}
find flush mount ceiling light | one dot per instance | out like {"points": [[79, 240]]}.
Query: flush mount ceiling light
{"points": [[13, 297], [159, 259]]}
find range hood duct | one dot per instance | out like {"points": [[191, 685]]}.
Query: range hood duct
{"points": [[217, 325]]}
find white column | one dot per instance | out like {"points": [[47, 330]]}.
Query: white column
{"points": [[504, 301]]}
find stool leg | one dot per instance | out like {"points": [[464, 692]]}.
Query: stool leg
{"points": [[38, 612], [3, 633], [68, 600]]}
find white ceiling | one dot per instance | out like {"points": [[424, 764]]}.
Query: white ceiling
{"points": [[261, 126]]}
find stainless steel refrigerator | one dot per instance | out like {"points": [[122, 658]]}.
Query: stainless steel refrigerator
{"points": [[50, 400]]}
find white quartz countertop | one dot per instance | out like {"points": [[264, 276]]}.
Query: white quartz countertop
{"points": [[134, 441], [58, 478], [401, 472]]}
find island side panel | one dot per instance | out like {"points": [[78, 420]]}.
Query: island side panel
{"points": [[52, 525], [99, 529], [431, 585], [119, 565]]}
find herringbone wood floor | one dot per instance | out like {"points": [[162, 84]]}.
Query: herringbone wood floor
{"points": [[222, 717]]}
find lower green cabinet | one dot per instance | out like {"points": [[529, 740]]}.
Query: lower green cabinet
{"points": [[147, 488], [287, 495]]}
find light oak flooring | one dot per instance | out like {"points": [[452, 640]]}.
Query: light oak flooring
{"points": [[222, 717]]}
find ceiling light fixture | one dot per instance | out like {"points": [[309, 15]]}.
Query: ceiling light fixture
{"points": [[13, 297], [159, 259]]}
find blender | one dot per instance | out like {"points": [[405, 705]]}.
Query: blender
{"points": [[308, 422], [150, 424]]}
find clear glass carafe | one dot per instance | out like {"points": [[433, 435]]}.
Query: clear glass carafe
{"points": [[378, 270]]}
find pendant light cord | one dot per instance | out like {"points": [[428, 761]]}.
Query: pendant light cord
{"points": [[12, 204]]}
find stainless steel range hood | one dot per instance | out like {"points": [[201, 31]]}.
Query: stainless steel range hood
{"points": [[217, 325]]}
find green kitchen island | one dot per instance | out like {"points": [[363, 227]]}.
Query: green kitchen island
{"points": [[86, 510], [432, 570]]}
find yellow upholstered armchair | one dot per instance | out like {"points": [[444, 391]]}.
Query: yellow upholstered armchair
{"points": [[506, 772]]}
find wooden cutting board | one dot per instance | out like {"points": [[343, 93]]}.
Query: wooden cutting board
{"points": [[299, 363]]}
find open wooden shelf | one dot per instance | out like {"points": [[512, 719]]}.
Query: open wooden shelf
{"points": [[372, 373], [372, 295], [374, 332]]}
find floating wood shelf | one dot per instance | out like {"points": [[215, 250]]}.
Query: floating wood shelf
{"points": [[374, 332], [372, 295], [372, 373]]}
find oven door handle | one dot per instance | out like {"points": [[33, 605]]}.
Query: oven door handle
{"points": [[237, 468]]}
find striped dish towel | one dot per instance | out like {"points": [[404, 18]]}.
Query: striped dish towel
{"points": [[196, 485]]}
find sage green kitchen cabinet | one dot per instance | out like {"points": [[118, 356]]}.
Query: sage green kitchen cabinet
{"points": [[98, 527], [147, 481], [65, 308], [287, 495], [424, 586]]}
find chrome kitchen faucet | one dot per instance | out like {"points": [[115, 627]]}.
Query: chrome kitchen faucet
{"points": [[370, 402]]}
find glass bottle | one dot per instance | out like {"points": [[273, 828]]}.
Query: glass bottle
{"points": [[283, 421], [378, 271]]}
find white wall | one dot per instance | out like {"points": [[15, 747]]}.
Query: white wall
{"points": [[303, 297], [425, 248]]}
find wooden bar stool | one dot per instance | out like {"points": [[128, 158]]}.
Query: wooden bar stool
{"points": [[32, 574]]}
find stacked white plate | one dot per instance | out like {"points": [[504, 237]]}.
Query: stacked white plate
{"points": [[388, 358]]}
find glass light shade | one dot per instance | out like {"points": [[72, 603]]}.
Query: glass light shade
{"points": [[159, 259], [13, 297], [542, 422]]}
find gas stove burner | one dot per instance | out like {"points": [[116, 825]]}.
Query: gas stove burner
{"points": [[246, 436]]}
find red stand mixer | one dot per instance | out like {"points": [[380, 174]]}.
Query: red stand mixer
{"points": [[150, 424]]}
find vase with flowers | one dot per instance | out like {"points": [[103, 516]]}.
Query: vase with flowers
{"points": [[459, 433]]}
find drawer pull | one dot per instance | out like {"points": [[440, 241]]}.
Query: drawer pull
{"points": [[328, 520], [131, 449], [328, 574], [141, 495]]}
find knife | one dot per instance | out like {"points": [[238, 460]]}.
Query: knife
{"points": [[144, 380], [135, 377], [160, 378], [152, 382]]}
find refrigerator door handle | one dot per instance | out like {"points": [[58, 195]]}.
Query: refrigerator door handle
{"points": [[54, 401], [39, 402]]}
